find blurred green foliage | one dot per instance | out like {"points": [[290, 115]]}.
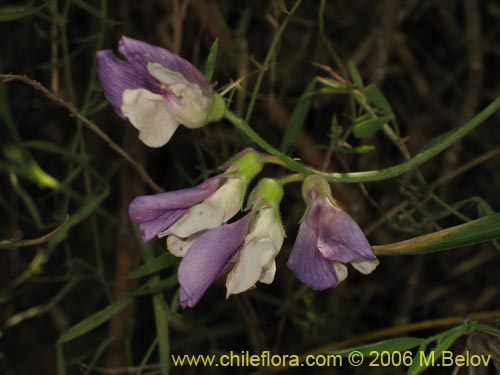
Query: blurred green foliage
{"points": [[344, 86]]}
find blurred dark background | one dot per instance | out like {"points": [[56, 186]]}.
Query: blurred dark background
{"points": [[435, 61]]}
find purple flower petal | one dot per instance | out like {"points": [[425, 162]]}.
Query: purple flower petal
{"points": [[116, 76], [328, 239], [207, 257], [151, 228], [307, 263], [148, 207], [339, 237], [141, 54], [155, 213]]}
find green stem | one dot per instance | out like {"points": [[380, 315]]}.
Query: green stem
{"points": [[262, 143], [290, 178], [376, 175], [66, 57], [267, 60], [161, 314]]}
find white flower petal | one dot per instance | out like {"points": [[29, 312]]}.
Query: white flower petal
{"points": [[366, 266], [267, 225], [190, 106], [268, 271], [179, 246], [256, 261], [341, 271], [212, 212], [232, 196], [248, 270], [150, 115], [169, 77]]}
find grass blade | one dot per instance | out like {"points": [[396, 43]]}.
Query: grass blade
{"points": [[13, 13], [298, 117], [211, 60], [480, 230], [368, 127], [93, 321], [395, 345], [154, 266], [356, 77], [375, 96]]}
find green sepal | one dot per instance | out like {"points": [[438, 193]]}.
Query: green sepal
{"points": [[268, 192], [245, 166], [315, 186], [218, 109]]}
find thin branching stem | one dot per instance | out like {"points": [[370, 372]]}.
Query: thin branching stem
{"points": [[88, 123], [439, 145]]}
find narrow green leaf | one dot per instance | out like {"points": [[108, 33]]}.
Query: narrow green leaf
{"points": [[30, 168], [358, 150], [446, 339], [356, 77], [211, 60], [93, 321], [13, 13], [153, 266], [61, 294], [417, 365], [480, 230], [335, 130], [157, 286], [333, 90], [487, 329], [443, 341], [29, 203], [161, 310], [38, 310], [174, 304], [90, 9], [483, 208], [368, 127], [282, 6], [76, 217], [331, 82], [375, 96], [53, 149], [271, 52], [98, 353], [146, 357], [241, 30], [298, 117], [394, 345]]}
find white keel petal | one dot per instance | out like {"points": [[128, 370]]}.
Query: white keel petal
{"points": [[148, 113]]}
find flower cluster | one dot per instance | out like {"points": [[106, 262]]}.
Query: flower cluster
{"points": [[156, 91], [195, 223]]}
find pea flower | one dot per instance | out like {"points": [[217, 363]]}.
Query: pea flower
{"points": [[263, 242], [185, 212], [156, 90], [327, 240], [208, 257], [246, 248]]}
